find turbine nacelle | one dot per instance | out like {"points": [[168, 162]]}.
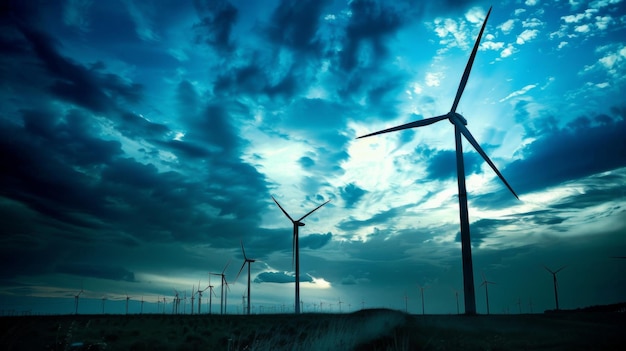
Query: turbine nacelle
{"points": [[299, 224], [457, 116]]}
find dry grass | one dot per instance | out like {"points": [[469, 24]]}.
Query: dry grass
{"points": [[383, 330]]}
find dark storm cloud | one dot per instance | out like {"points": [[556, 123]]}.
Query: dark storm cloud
{"points": [[351, 194], [295, 23], [216, 23], [97, 271], [315, 241], [281, 278], [380, 218], [42, 171], [76, 84], [482, 229], [583, 148], [442, 163], [306, 162], [372, 22]]}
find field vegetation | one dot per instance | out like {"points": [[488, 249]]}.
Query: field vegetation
{"points": [[378, 329]]}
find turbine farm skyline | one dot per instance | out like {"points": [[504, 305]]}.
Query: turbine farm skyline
{"points": [[144, 143]]}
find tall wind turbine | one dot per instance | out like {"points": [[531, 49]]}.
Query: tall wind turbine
{"points": [[223, 298], [556, 293], [248, 261], [193, 296], [422, 288], [459, 123], [296, 247], [486, 284]]}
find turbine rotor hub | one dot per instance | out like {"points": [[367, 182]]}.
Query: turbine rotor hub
{"points": [[452, 115], [300, 224]]}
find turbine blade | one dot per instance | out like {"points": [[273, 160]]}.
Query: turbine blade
{"points": [[468, 68], [420, 123], [315, 209], [223, 270], [548, 269], [282, 209], [243, 265], [482, 153], [244, 251], [560, 269]]}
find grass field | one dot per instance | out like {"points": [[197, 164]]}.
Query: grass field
{"points": [[363, 330]]}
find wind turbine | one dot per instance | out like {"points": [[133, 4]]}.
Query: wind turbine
{"points": [[422, 288], [486, 284], [193, 294], [556, 293], [211, 294], [104, 298], [248, 261], [456, 294], [76, 300], [460, 129], [127, 298], [175, 302], [223, 298], [296, 247]]}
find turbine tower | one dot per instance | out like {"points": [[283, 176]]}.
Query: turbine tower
{"points": [[556, 293], [248, 261], [486, 284], [223, 298], [460, 130], [296, 247]]}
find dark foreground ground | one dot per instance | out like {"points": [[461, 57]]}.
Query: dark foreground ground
{"points": [[363, 330]]}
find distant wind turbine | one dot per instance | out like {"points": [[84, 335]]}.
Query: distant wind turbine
{"points": [[223, 298], [127, 298], [296, 247], [422, 288], [456, 294], [556, 292], [104, 298], [486, 284], [193, 296], [459, 123], [248, 261], [76, 300]]}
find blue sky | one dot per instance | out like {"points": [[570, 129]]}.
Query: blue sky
{"points": [[143, 140]]}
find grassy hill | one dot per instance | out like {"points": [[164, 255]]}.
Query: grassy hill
{"points": [[363, 330]]}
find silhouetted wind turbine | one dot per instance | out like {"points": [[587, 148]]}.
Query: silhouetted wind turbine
{"points": [[486, 284], [223, 298], [248, 261], [296, 247], [127, 298], [556, 293], [456, 294], [193, 295], [76, 300], [459, 123], [422, 288]]}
